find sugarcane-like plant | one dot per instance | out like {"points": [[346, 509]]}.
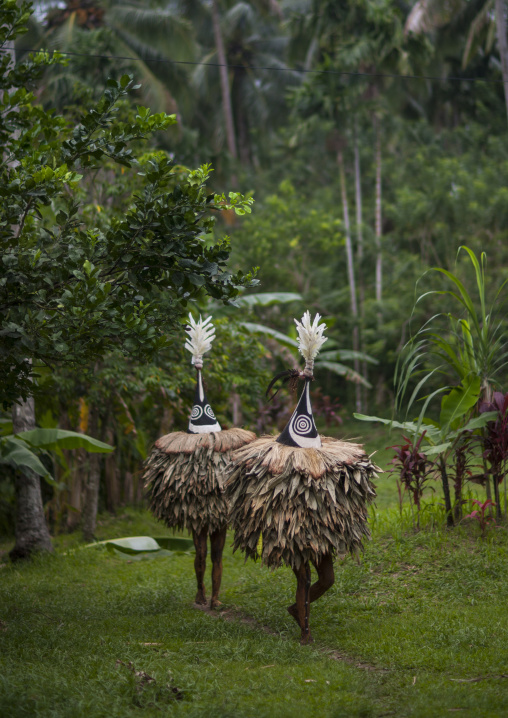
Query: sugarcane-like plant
{"points": [[495, 444]]}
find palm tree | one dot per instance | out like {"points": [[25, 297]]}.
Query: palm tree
{"points": [[146, 38], [466, 29], [252, 40]]}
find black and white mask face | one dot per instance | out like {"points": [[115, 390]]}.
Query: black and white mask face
{"points": [[301, 430], [202, 419]]}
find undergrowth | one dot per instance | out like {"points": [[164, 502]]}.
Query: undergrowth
{"points": [[417, 627]]}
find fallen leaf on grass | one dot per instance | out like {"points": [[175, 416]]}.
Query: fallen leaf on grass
{"points": [[309, 680], [476, 680]]}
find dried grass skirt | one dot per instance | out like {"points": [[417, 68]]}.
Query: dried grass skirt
{"points": [[184, 477], [305, 503]]}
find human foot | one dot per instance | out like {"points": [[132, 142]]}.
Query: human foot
{"points": [[200, 598], [306, 639]]}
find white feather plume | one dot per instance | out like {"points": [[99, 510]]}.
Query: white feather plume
{"points": [[310, 338], [201, 335]]}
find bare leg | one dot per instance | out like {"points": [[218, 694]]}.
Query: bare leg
{"points": [[200, 563], [326, 577], [217, 541], [300, 609], [325, 581]]}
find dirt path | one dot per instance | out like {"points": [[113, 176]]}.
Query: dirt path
{"points": [[235, 614]]}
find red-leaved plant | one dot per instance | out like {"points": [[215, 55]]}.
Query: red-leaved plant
{"points": [[479, 514], [413, 467], [495, 443]]}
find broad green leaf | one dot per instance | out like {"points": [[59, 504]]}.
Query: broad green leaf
{"points": [[411, 427], [175, 543], [432, 450], [477, 423], [342, 370], [137, 548], [346, 355], [459, 401], [17, 454], [60, 438], [264, 299], [134, 544], [405, 426], [268, 331]]}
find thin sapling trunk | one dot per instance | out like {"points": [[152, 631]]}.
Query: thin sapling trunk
{"points": [[93, 482], [502, 45], [224, 80], [351, 274], [359, 255], [379, 230], [446, 492]]}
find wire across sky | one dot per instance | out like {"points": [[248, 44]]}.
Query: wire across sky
{"points": [[296, 71]]}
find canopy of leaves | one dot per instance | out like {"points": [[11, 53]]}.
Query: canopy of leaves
{"points": [[69, 290]]}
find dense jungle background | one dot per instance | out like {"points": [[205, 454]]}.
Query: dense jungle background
{"points": [[370, 134], [252, 160]]}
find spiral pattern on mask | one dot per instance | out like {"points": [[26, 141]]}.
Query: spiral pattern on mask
{"points": [[197, 411], [302, 425]]}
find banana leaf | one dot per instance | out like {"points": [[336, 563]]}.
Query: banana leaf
{"points": [[266, 298], [61, 439], [137, 548]]}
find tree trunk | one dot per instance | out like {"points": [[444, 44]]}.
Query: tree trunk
{"points": [[31, 530], [93, 482], [242, 124], [457, 506], [236, 408], [75, 491], [32, 534], [359, 255], [446, 492], [113, 498], [497, 498], [224, 80], [503, 49], [351, 274], [379, 231]]}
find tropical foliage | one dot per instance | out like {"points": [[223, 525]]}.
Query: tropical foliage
{"points": [[367, 181]]}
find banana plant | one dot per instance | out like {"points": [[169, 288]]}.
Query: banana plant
{"points": [[20, 451]]}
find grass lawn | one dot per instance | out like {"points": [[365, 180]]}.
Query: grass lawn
{"points": [[407, 632]]}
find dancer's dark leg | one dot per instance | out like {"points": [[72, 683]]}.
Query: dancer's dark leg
{"points": [[326, 579], [200, 563], [300, 609], [217, 541]]}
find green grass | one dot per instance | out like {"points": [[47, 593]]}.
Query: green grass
{"points": [[395, 636]]}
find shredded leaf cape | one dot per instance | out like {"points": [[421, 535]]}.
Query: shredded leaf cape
{"points": [[302, 502], [184, 478]]}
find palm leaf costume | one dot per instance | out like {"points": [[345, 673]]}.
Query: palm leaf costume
{"points": [[184, 473], [305, 495]]}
